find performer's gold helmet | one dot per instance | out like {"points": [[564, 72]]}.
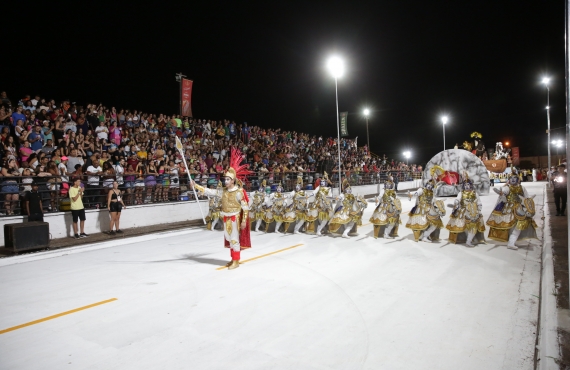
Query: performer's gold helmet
{"points": [[514, 178], [231, 173]]}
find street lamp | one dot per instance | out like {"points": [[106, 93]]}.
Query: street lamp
{"points": [[546, 81], [444, 120], [335, 66], [407, 155], [366, 114]]}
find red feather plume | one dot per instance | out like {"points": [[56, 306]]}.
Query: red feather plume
{"points": [[236, 159]]}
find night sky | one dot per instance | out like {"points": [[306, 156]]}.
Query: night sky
{"points": [[408, 61]]}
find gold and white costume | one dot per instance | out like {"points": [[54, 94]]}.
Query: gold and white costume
{"points": [[386, 216], [512, 217], [466, 221], [425, 217]]}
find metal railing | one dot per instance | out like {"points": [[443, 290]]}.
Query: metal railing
{"points": [[55, 192]]}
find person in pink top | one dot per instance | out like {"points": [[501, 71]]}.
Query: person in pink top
{"points": [[25, 151]]}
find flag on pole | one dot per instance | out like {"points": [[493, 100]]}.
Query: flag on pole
{"points": [[186, 98], [343, 123]]}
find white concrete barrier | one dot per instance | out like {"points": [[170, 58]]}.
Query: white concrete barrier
{"points": [[60, 223]]}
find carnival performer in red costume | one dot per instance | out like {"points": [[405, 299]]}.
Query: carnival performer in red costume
{"points": [[235, 207]]}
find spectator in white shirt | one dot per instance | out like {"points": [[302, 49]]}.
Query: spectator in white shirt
{"points": [[62, 168], [102, 131], [93, 188]]}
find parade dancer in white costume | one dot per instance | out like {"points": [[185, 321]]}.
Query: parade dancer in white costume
{"points": [[258, 204], [324, 202], [349, 213], [386, 216], [215, 206], [466, 221], [300, 203], [512, 217], [425, 216], [235, 207], [278, 207]]}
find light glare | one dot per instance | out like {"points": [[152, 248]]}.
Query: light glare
{"points": [[545, 80], [336, 67], [444, 119], [366, 112]]}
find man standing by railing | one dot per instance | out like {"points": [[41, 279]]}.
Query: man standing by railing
{"points": [[94, 191], [77, 209], [34, 206]]}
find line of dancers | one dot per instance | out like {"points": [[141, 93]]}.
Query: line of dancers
{"points": [[318, 212]]}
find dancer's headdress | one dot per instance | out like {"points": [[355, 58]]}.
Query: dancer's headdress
{"points": [[237, 170], [466, 180], [514, 174]]}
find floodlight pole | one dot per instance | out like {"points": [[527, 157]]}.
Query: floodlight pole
{"points": [[567, 72], [338, 136], [367, 137], [548, 126]]}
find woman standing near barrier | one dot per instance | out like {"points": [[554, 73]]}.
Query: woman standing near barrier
{"points": [[174, 180], [10, 187], [139, 182], [129, 178], [115, 204]]}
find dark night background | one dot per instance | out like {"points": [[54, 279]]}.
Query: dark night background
{"points": [[408, 61]]}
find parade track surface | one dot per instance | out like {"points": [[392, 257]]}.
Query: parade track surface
{"points": [[327, 303]]}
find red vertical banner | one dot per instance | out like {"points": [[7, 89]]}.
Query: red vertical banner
{"points": [[186, 98], [515, 156]]}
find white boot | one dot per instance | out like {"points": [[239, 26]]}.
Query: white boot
{"points": [[297, 227], [387, 232], [513, 239], [345, 233], [277, 226], [215, 223], [427, 233], [257, 225], [470, 237], [320, 227]]}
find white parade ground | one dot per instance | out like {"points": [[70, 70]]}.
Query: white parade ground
{"points": [[326, 303]]}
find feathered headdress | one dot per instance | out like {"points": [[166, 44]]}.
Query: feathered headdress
{"points": [[466, 180], [237, 170], [476, 135]]}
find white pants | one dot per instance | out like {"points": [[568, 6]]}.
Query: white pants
{"points": [[231, 232]]}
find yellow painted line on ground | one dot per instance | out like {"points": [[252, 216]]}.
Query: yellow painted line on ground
{"points": [[263, 255], [55, 316]]}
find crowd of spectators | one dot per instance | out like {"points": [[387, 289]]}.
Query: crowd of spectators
{"points": [[55, 143]]}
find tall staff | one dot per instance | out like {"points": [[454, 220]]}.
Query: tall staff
{"points": [[180, 149]]}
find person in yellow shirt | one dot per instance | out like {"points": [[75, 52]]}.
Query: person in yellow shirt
{"points": [[77, 209]]}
